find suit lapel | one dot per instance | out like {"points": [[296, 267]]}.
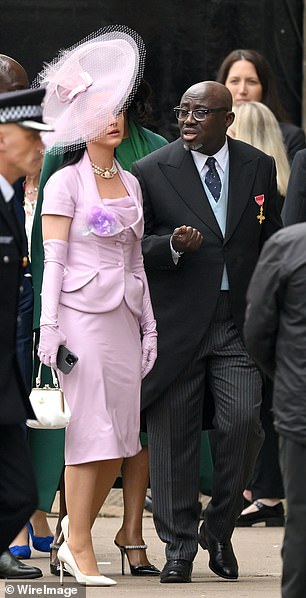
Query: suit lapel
{"points": [[182, 174], [242, 172]]}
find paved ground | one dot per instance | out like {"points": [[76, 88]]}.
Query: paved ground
{"points": [[257, 550]]}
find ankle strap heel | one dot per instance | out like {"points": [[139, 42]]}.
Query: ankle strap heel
{"points": [[139, 570]]}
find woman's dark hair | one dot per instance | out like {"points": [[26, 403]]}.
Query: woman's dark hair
{"points": [[270, 96], [141, 109], [73, 156]]}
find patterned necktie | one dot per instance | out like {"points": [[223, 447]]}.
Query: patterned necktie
{"points": [[212, 179]]}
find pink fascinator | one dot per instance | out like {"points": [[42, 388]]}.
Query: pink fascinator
{"points": [[89, 83]]}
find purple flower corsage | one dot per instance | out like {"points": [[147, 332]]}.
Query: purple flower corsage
{"points": [[102, 222]]}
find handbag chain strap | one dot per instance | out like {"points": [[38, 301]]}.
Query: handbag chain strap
{"points": [[54, 377]]}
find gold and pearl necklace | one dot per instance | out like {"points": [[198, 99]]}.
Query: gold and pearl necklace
{"points": [[105, 173]]}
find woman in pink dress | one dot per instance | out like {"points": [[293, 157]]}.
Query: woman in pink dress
{"points": [[95, 297]]}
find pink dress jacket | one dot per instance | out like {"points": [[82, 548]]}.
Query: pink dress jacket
{"points": [[101, 271]]}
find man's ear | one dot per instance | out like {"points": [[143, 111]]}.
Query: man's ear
{"points": [[230, 117]]}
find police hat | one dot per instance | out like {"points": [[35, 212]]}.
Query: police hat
{"points": [[24, 108]]}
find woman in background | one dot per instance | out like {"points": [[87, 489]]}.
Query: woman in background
{"points": [[249, 77], [256, 124]]}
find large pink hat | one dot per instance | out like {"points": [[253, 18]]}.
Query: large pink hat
{"points": [[88, 83]]}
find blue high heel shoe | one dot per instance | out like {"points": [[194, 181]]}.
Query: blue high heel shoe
{"points": [[20, 552], [41, 543]]}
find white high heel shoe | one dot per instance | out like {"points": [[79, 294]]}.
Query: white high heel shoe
{"points": [[64, 536], [66, 558], [64, 532], [65, 526]]}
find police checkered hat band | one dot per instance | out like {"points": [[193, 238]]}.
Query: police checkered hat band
{"points": [[19, 113], [23, 107]]}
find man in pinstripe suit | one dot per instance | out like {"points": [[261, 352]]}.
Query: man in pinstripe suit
{"points": [[205, 224]]}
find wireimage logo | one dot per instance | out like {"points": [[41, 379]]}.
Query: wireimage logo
{"points": [[69, 590]]}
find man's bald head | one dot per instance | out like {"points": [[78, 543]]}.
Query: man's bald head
{"points": [[12, 75], [219, 92]]}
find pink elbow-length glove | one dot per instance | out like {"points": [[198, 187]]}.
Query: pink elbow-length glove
{"points": [[148, 327], [50, 335]]}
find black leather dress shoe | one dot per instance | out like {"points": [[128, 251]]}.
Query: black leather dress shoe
{"points": [[222, 559], [176, 571], [12, 568]]}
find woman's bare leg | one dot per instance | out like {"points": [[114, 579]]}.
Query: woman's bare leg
{"points": [[135, 478], [83, 483]]}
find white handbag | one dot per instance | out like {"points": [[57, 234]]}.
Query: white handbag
{"points": [[49, 405]]}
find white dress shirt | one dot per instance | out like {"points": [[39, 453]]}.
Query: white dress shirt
{"points": [[6, 189]]}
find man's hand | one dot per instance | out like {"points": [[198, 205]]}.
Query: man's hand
{"points": [[185, 238]]}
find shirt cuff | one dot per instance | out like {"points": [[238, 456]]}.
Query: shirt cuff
{"points": [[175, 254]]}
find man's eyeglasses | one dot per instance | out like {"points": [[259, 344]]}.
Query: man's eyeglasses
{"points": [[199, 114]]}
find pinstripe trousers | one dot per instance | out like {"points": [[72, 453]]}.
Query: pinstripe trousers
{"points": [[174, 425]]}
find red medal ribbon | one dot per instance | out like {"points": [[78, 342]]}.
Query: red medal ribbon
{"points": [[260, 199]]}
